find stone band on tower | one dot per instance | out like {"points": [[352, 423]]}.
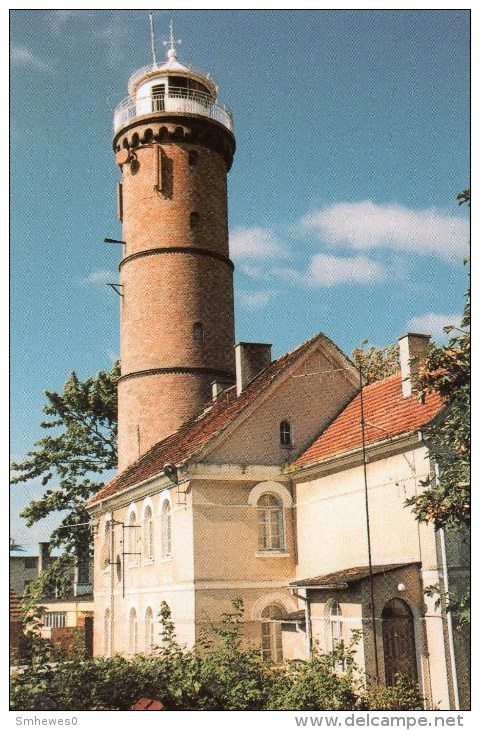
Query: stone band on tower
{"points": [[174, 144]]}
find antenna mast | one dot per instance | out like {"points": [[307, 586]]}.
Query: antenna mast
{"points": [[152, 37]]}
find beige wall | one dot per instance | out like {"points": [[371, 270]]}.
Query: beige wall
{"points": [[308, 399], [145, 583], [332, 536]]}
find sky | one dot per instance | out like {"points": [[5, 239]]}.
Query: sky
{"points": [[352, 131]]}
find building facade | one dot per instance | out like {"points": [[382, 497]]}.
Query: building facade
{"points": [[245, 478]]}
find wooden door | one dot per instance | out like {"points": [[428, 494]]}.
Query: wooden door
{"points": [[398, 641]]}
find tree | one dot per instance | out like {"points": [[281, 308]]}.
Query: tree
{"points": [[377, 363], [445, 501], [82, 447]]}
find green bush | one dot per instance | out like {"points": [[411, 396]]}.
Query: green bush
{"points": [[221, 674]]}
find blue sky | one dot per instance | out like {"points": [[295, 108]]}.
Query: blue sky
{"points": [[352, 132]]}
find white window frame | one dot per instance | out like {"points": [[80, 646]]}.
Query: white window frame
{"points": [[132, 631], [281, 493], [271, 523], [149, 630], [107, 633], [272, 634], [148, 532], [166, 524], [131, 535]]}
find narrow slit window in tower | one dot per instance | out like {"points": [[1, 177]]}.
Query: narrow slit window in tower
{"points": [[198, 332], [194, 221]]}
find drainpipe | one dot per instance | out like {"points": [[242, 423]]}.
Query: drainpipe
{"points": [[308, 621], [112, 582], [451, 645]]}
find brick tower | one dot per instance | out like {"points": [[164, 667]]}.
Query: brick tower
{"points": [[174, 145]]}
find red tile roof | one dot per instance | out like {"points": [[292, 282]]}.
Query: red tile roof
{"points": [[147, 704], [386, 413], [198, 431]]}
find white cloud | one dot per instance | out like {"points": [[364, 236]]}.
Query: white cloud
{"points": [[366, 225], [255, 243], [101, 276], [21, 56], [327, 270], [255, 300], [433, 324]]}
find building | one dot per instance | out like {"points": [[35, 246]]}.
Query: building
{"points": [[245, 478], [66, 621]]}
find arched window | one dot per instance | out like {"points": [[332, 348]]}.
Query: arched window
{"points": [[285, 434], [336, 625], [131, 539], [106, 551], [166, 529], [148, 631], [198, 332], [272, 633], [194, 221], [271, 535], [398, 635], [107, 634], [133, 629], [148, 534]]}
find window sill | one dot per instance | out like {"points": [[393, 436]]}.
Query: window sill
{"points": [[166, 559], [148, 561], [272, 554]]}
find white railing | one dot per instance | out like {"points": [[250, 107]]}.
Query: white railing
{"points": [[177, 99]]}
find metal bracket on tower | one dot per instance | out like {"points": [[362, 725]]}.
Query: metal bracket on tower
{"points": [[116, 287]]}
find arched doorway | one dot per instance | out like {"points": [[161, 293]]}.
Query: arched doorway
{"points": [[398, 641]]}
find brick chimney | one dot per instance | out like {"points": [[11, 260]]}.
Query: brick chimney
{"points": [[44, 557], [412, 347], [250, 359]]}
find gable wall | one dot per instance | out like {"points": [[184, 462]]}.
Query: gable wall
{"points": [[308, 403], [332, 523]]}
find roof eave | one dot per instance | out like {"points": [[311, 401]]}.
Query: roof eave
{"points": [[353, 457]]}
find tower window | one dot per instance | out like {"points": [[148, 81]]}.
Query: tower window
{"points": [[286, 433], [194, 221], [198, 332], [192, 158]]}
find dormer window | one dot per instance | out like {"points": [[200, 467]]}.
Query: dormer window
{"points": [[286, 434]]}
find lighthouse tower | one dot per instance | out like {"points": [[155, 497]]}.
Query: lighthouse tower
{"points": [[174, 145]]}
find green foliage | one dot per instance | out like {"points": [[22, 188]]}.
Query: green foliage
{"points": [[403, 695], [445, 500], [222, 674], [318, 684], [83, 443], [377, 363]]}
